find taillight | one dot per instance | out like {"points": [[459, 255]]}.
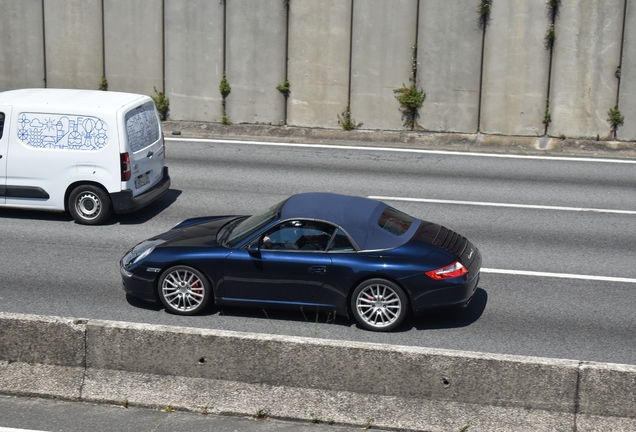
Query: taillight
{"points": [[453, 270], [125, 167]]}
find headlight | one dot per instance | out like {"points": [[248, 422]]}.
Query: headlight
{"points": [[141, 251]]}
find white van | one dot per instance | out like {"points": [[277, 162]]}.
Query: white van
{"points": [[88, 152]]}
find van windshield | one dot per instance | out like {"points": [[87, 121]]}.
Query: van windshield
{"points": [[142, 126]]}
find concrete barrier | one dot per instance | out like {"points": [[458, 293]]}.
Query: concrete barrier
{"points": [[449, 55], [256, 37], [516, 69], [319, 41], [295, 377], [383, 36], [194, 59], [627, 93], [74, 43], [133, 45], [587, 38], [22, 46]]}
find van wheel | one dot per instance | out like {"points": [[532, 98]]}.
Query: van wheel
{"points": [[89, 205]]}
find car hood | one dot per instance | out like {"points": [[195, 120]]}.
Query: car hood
{"points": [[195, 232]]}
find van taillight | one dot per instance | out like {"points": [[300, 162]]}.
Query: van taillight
{"points": [[125, 167]]}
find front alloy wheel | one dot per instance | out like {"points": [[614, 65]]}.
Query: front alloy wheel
{"points": [[379, 305], [184, 290]]}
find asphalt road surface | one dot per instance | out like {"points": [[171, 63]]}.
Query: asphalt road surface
{"points": [[557, 237]]}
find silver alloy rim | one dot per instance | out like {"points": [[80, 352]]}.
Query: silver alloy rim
{"points": [[183, 290], [378, 305], [88, 205]]}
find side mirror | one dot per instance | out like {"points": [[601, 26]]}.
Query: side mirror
{"points": [[253, 249]]}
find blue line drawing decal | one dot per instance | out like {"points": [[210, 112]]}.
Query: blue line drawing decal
{"points": [[142, 126], [62, 131]]}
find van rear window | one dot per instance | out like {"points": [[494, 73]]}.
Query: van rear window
{"points": [[142, 126]]}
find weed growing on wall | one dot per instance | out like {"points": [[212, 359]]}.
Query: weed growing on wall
{"points": [[225, 89], [547, 117], [552, 10], [284, 88], [346, 121], [615, 119], [548, 39], [103, 84], [484, 13], [162, 103], [412, 97]]}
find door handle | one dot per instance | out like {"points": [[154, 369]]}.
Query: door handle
{"points": [[150, 153], [317, 269]]}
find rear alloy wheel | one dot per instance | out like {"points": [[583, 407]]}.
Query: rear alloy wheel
{"points": [[184, 290], [379, 305], [89, 205]]}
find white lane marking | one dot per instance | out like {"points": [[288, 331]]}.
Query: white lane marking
{"points": [[559, 275], [404, 150], [492, 204], [3, 429]]}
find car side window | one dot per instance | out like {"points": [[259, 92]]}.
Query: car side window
{"points": [[1, 124], [298, 235], [341, 243]]}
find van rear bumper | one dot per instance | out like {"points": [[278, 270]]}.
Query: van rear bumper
{"points": [[125, 202]]}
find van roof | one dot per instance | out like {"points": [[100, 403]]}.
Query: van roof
{"points": [[68, 100]]}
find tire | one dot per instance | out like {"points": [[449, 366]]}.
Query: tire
{"points": [[184, 290], [379, 305], [89, 205]]}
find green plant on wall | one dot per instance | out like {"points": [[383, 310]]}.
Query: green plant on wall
{"points": [[225, 89], [615, 119], [412, 97], [548, 39], [284, 88], [346, 121], [483, 10], [103, 84], [162, 103], [547, 117], [552, 10]]}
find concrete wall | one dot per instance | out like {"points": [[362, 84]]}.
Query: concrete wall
{"points": [[21, 44], [627, 100], [381, 60], [194, 59], [319, 52], [256, 36], [339, 52], [133, 37], [516, 63], [74, 50], [350, 382], [586, 54], [449, 59]]}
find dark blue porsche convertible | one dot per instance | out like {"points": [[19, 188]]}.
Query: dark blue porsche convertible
{"points": [[319, 251]]}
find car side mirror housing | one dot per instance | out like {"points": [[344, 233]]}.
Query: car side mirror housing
{"points": [[253, 249]]}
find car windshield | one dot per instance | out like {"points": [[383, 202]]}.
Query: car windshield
{"points": [[249, 226]]}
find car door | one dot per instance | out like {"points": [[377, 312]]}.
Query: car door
{"points": [[5, 115], [288, 264]]}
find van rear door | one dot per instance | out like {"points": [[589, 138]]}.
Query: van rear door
{"points": [[5, 116], [145, 148]]}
